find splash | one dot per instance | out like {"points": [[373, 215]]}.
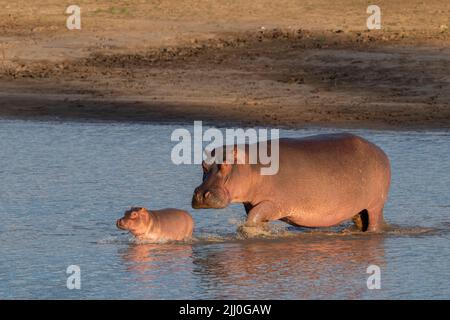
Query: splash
{"points": [[274, 231]]}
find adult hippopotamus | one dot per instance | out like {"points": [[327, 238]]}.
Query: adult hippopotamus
{"points": [[322, 181], [157, 225]]}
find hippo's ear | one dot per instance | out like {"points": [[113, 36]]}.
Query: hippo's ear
{"points": [[237, 155], [209, 156], [205, 167], [224, 167], [134, 215]]}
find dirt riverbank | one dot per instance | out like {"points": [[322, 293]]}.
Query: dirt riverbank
{"points": [[288, 65]]}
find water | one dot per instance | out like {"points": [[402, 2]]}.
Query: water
{"points": [[63, 185]]}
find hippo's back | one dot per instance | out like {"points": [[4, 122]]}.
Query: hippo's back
{"points": [[331, 172], [333, 151], [178, 223]]}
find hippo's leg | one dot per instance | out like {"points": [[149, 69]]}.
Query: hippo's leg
{"points": [[263, 212], [257, 218], [376, 220]]}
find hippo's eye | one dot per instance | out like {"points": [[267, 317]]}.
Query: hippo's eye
{"points": [[133, 215]]}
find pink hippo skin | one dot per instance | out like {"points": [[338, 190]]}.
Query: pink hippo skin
{"points": [[322, 181], [157, 225]]}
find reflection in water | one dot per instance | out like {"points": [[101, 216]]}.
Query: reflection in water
{"points": [[143, 257], [296, 268], [150, 267], [307, 266]]}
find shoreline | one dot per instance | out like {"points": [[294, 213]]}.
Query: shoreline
{"points": [[340, 84], [93, 111]]}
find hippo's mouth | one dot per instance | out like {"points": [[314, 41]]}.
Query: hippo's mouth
{"points": [[120, 225], [210, 199], [209, 204]]}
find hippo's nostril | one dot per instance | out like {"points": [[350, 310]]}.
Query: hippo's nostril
{"points": [[207, 194]]}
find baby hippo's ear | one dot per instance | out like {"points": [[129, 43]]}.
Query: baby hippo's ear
{"points": [[134, 215]]}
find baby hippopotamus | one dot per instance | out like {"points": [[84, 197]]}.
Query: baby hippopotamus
{"points": [[157, 225]]}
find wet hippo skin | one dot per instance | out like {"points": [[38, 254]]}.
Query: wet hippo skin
{"points": [[157, 225], [322, 181]]}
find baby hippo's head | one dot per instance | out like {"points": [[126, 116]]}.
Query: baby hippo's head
{"points": [[135, 220]]}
